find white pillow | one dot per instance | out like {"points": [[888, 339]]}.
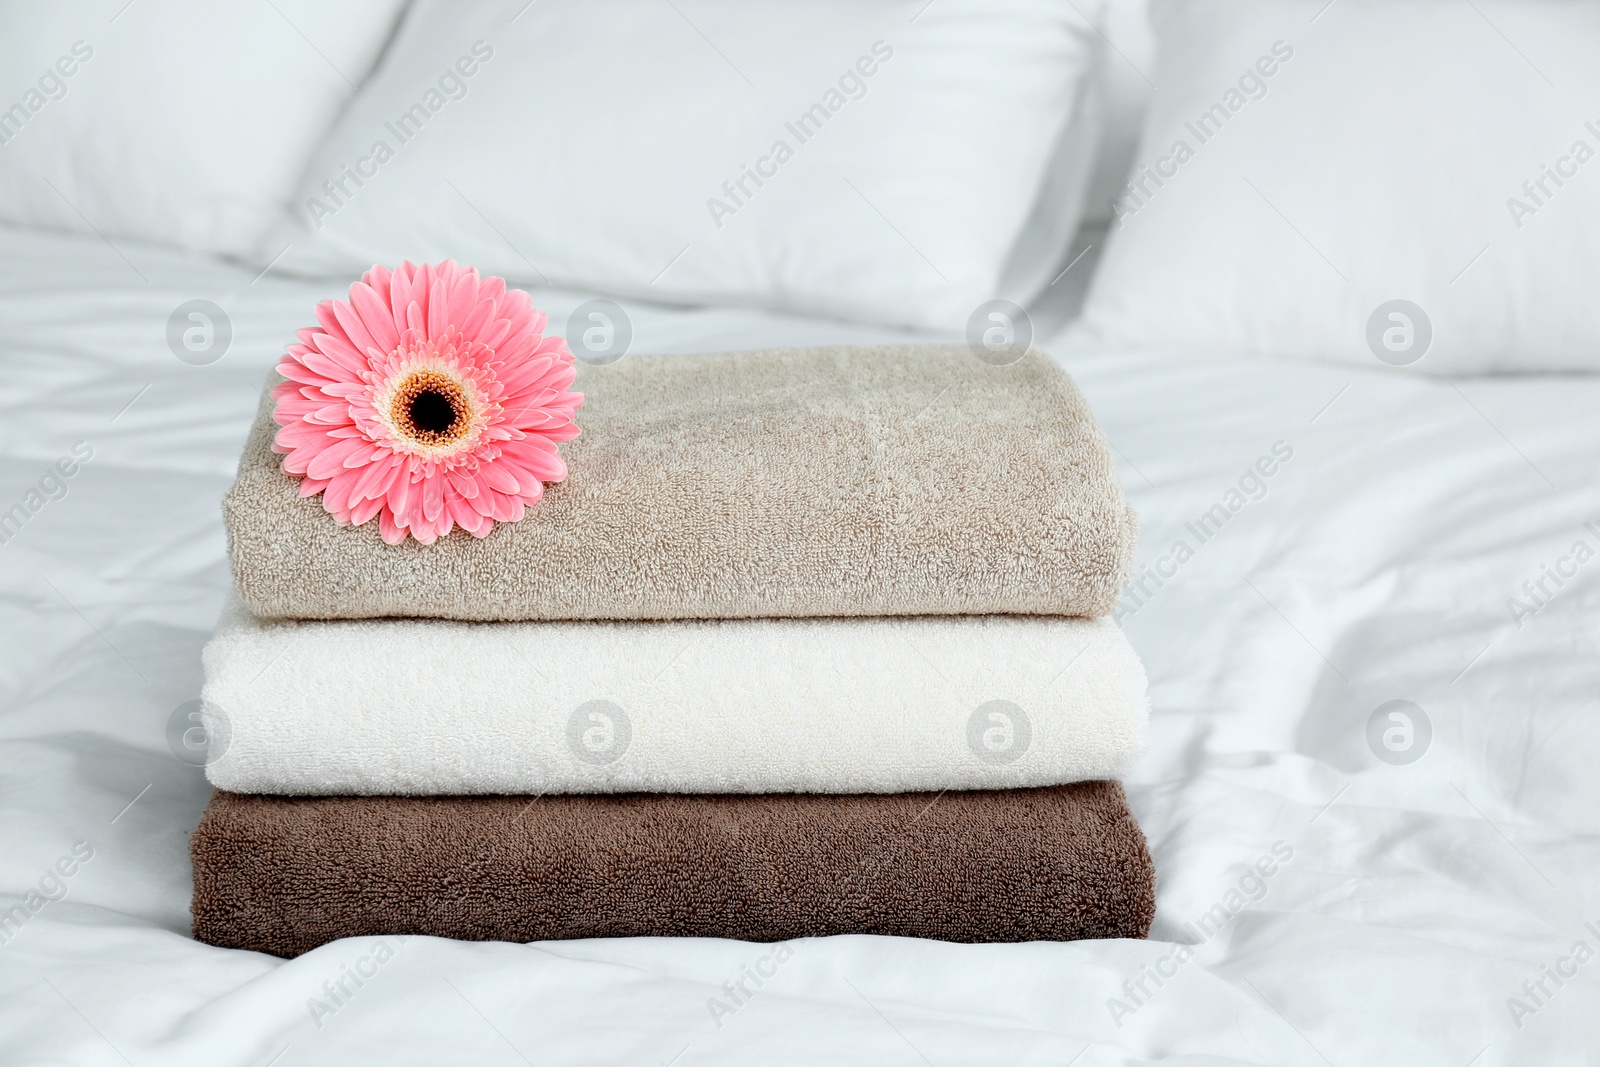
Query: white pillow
{"points": [[179, 121], [1126, 70], [1370, 184], [871, 159]]}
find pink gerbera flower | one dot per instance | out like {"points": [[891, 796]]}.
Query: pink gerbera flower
{"points": [[429, 400]]}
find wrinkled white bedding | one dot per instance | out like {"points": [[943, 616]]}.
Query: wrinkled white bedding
{"points": [[1342, 909]]}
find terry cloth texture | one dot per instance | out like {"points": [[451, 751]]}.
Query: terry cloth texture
{"points": [[428, 706], [783, 483], [286, 874]]}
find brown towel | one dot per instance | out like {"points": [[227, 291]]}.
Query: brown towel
{"points": [[286, 874], [794, 482]]}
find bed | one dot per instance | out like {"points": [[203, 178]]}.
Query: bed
{"points": [[1342, 879]]}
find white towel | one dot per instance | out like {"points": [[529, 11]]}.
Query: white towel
{"points": [[877, 705]]}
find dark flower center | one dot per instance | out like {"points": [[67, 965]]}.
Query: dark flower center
{"points": [[432, 412], [431, 409]]}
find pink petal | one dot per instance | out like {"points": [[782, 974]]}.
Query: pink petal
{"points": [[331, 368], [438, 310], [342, 352], [509, 468], [353, 326], [484, 502], [375, 316], [519, 343], [330, 461], [497, 331], [391, 533], [329, 321], [497, 480], [507, 508], [422, 288], [523, 376], [377, 276], [463, 298], [375, 484], [516, 305], [539, 458], [560, 433], [400, 296], [463, 513], [473, 322], [299, 373], [432, 498], [336, 497], [556, 346], [330, 415], [445, 522], [362, 511], [400, 495], [301, 455], [303, 434]]}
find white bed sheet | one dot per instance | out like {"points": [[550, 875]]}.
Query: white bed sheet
{"points": [[1418, 900]]}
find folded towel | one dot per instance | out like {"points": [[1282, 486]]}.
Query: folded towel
{"points": [[412, 706], [286, 874], [788, 483]]}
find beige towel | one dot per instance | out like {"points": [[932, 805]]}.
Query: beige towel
{"points": [[784, 483]]}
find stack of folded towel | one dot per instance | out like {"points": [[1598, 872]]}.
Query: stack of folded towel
{"points": [[810, 641]]}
